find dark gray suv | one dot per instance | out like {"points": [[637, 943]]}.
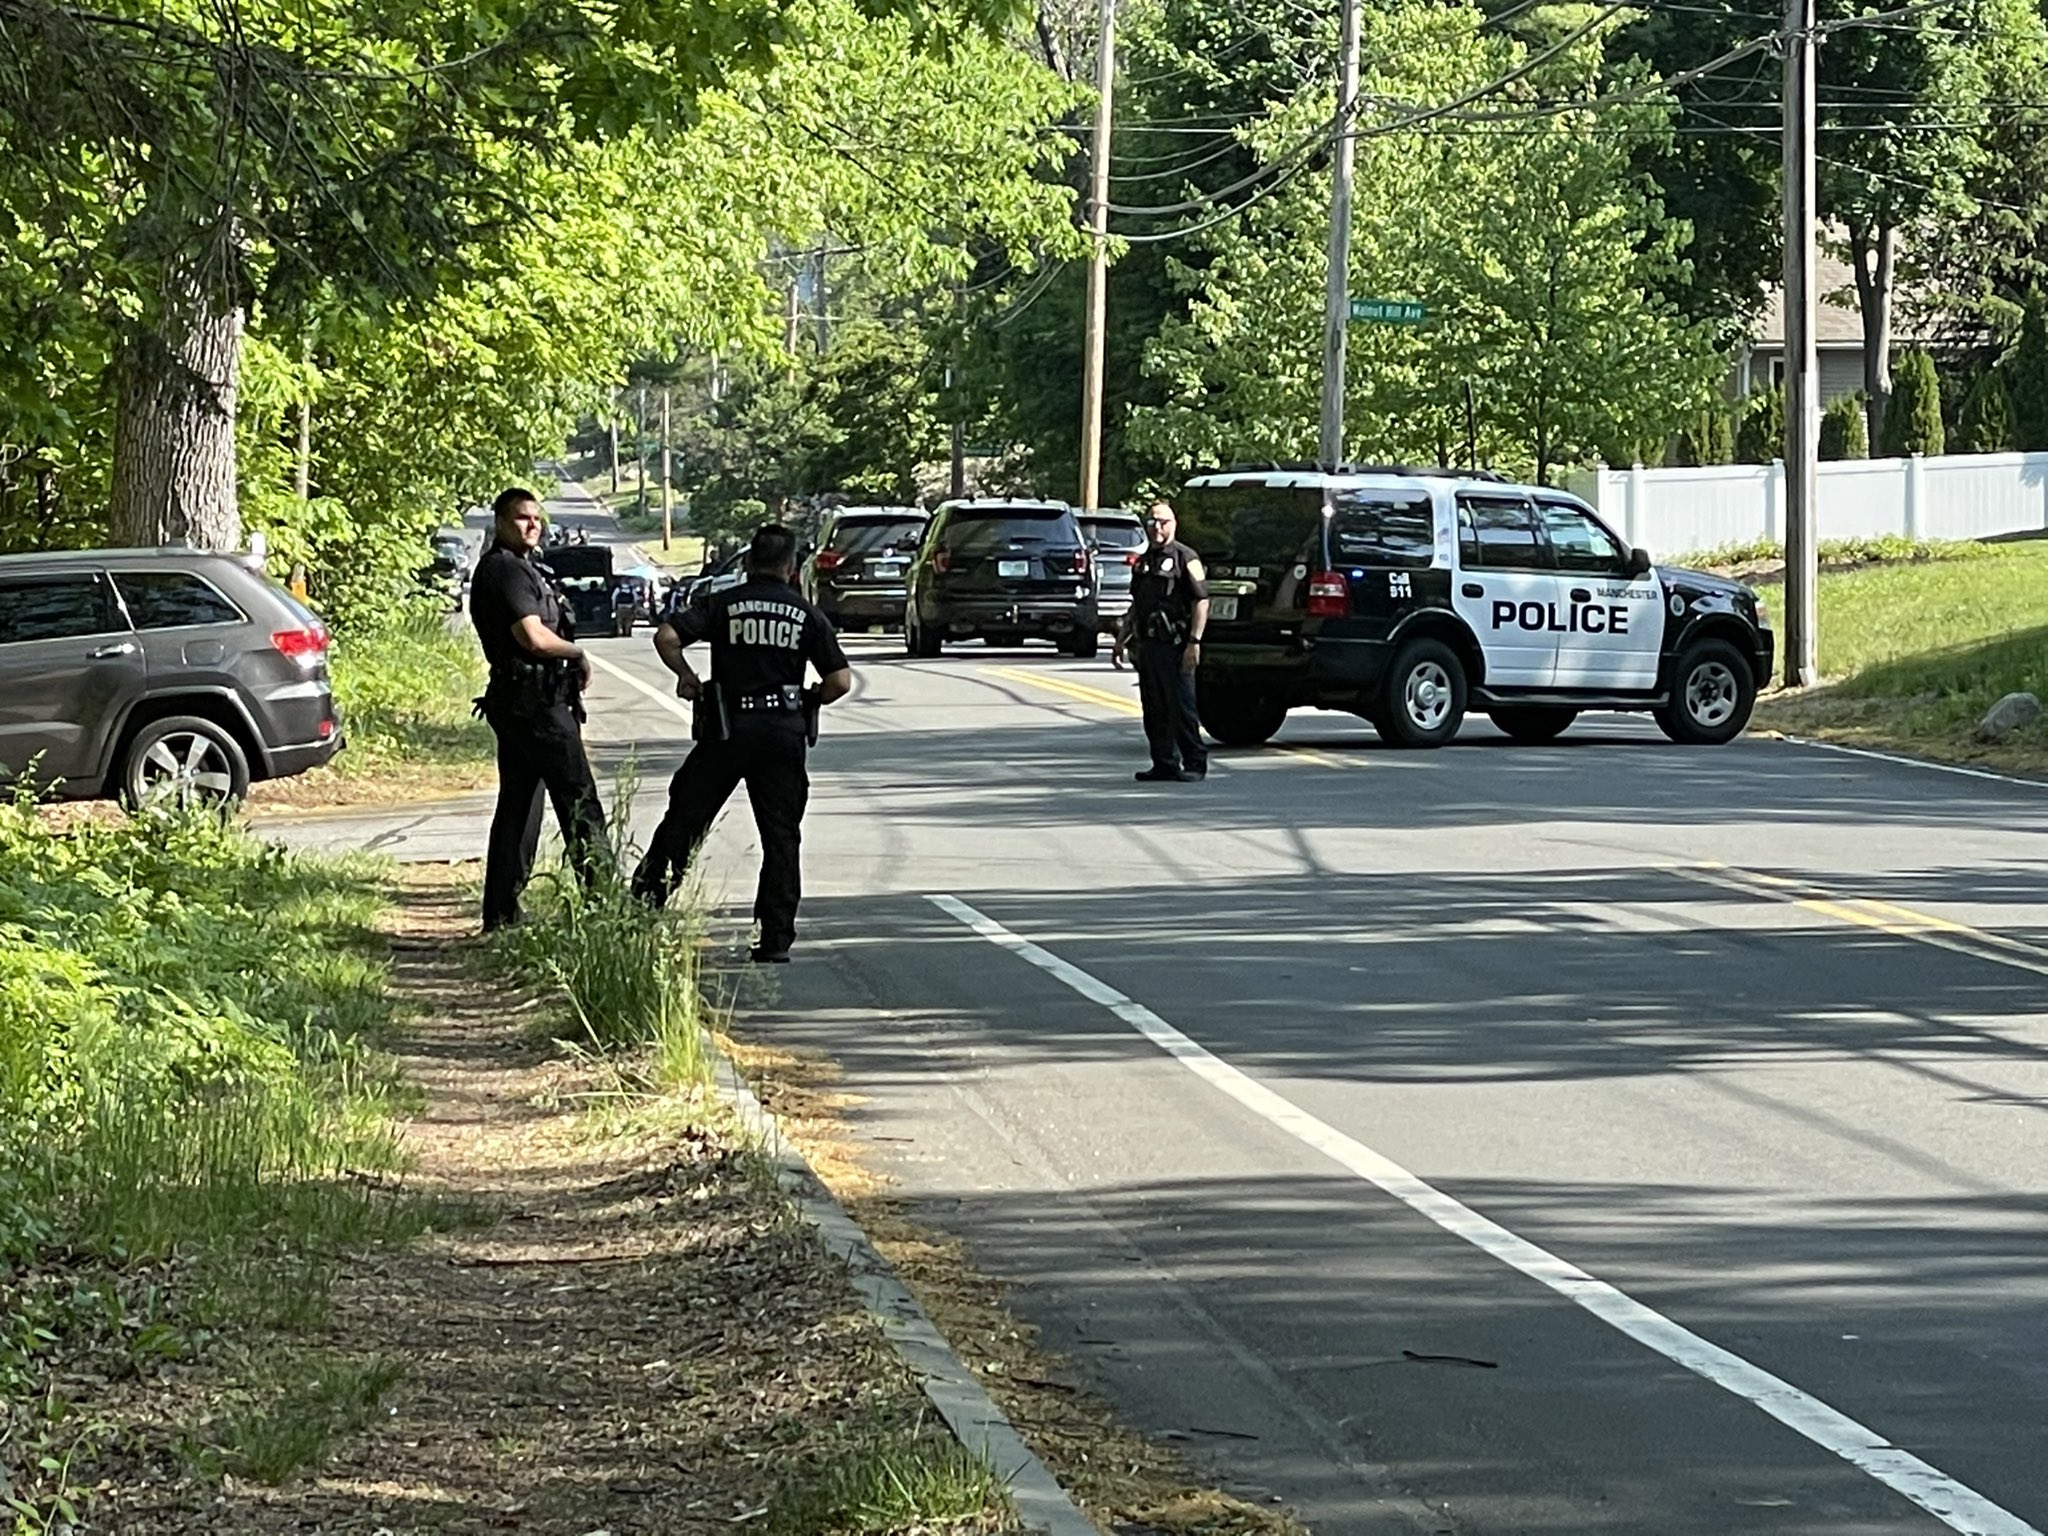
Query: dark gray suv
{"points": [[145, 674]]}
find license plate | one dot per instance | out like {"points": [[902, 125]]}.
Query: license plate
{"points": [[1013, 569], [1223, 607], [887, 568]]}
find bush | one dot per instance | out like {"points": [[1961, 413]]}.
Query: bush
{"points": [[2026, 383], [1709, 438], [405, 691], [1760, 429], [1841, 430], [1986, 422], [1912, 418]]}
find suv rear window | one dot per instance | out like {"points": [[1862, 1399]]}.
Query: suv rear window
{"points": [[1113, 533], [1253, 523], [977, 530], [573, 562], [1383, 528], [56, 608], [870, 534], [173, 600]]}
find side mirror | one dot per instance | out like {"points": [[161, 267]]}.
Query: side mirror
{"points": [[1638, 563]]}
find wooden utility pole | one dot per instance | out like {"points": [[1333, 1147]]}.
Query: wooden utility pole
{"points": [[668, 490], [613, 426], [640, 448], [1098, 267], [1802, 362], [1337, 290]]}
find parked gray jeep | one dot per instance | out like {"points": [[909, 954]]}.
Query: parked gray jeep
{"points": [[157, 674]]}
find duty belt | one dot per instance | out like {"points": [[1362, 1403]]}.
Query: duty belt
{"points": [[785, 700]]}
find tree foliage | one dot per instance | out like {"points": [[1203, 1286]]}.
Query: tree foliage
{"points": [[2027, 379], [1841, 430], [1985, 423], [1760, 427], [1913, 422]]}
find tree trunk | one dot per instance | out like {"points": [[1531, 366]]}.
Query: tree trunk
{"points": [[1049, 42], [174, 420], [1871, 252]]}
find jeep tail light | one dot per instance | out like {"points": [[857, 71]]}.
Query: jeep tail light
{"points": [[305, 644], [1329, 596], [830, 559]]}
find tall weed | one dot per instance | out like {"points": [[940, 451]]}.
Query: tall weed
{"points": [[405, 688]]}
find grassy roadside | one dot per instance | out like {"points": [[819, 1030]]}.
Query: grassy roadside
{"points": [[1916, 653], [195, 1130]]}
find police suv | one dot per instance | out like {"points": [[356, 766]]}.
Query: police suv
{"points": [[1406, 596]]}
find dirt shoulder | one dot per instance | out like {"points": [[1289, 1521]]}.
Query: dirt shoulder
{"points": [[628, 1331]]}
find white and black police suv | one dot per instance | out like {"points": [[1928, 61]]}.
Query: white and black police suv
{"points": [[1405, 596]]}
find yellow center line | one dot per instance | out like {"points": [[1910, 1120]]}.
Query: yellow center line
{"points": [[1882, 916], [1312, 755], [1061, 685]]}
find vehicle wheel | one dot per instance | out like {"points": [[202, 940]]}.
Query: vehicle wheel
{"points": [[1423, 697], [1533, 723], [183, 761], [1712, 693], [1082, 645], [917, 641], [1238, 718]]}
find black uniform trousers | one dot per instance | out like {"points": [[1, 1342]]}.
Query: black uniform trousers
{"points": [[1172, 728], [539, 750], [770, 761]]}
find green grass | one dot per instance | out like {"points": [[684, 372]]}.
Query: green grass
{"points": [[287, 1425], [405, 694], [921, 1484], [1919, 652], [194, 1109]]}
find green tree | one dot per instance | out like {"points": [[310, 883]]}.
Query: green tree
{"points": [[1841, 430], [1985, 425], [1760, 427], [1709, 436], [2027, 379], [1912, 424]]}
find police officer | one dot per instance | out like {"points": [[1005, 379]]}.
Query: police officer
{"points": [[755, 720], [534, 705], [1169, 610]]}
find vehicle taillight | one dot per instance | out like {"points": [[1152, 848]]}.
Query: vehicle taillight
{"points": [[943, 560], [1131, 560], [830, 559], [305, 645], [1083, 563], [1329, 596]]}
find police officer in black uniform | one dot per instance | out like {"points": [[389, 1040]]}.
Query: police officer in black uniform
{"points": [[534, 703], [754, 722], [1169, 610]]}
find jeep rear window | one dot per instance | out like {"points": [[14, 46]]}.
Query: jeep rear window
{"points": [[871, 534], [1383, 528], [977, 530], [173, 600]]}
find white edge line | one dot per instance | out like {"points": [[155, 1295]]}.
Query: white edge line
{"points": [[1912, 762], [673, 706], [952, 1388], [1956, 1506]]}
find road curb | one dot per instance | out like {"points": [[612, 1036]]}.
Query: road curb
{"points": [[952, 1389]]}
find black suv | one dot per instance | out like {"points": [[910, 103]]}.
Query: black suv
{"points": [[147, 673], [602, 602], [1117, 538], [857, 572], [1002, 571], [1403, 596]]}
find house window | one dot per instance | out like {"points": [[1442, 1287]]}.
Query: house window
{"points": [[1777, 372]]}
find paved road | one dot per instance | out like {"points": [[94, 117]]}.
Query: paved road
{"points": [[1661, 1081]]}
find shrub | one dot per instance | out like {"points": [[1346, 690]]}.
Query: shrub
{"points": [[1760, 429], [1841, 430], [1986, 422], [1709, 438], [405, 689], [1912, 418], [2026, 383]]}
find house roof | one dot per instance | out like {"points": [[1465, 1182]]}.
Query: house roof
{"points": [[1837, 323]]}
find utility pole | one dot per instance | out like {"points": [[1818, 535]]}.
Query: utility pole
{"points": [[824, 321], [1337, 296], [1802, 363], [668, 490], [613, 424], [791, 314], [640, 449], [959, 477], [1098, 267]]}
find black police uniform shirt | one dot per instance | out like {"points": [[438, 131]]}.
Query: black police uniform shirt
{"points": [[762, 635], [508, 587], [1168, 578]]}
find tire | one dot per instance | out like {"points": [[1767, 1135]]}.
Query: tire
{"points": [[1533, 723], [1237, 718], [1423, 696], [916, 642], [183, 761], [1082, 646], [1712, 694]]}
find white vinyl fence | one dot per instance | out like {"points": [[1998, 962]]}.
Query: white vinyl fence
{"points": [[1961, 496]]}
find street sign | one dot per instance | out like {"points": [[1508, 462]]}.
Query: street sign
{"points": [[1389, 311]]}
